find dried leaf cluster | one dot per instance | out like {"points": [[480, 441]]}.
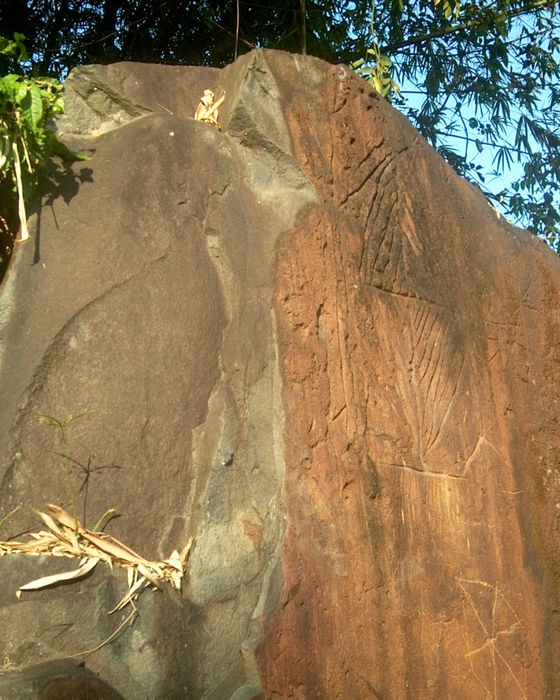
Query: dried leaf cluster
{"points": [[67, 537], [207, 108]]}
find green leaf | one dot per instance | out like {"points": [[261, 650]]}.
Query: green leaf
{"points": [[19, 46], [21, 90], [384, 61], [9, 86], [58, 105], [32, 106], [14, 49], [25, 141], [9, 515]]}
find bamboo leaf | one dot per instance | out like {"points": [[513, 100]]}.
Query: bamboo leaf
{"points": [[133, 592], [186, 550], [104, 519], [49, 522], [48, 420], [64, 518], [175, 561], [9, 515], [114, 548], [46, 581]]}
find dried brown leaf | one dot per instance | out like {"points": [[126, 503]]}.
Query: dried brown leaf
{"points": [[175, 561], [115, 548], [64, 518], [49, 522], [45, 581], [131, 595], [186, 550]]}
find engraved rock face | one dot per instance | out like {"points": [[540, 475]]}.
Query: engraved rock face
{"points": [[416, 335], [304, 341]]}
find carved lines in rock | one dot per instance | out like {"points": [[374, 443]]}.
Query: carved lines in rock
{"points": [[429, 376], [430, 370], [376, 173], [379, 229], [391, 243], [496, 640]]}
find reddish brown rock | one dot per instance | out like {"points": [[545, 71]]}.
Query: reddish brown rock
{"points": [[419, 340], [307, 343]]}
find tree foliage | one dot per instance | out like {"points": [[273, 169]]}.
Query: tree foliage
{"points": [[478, 78], [480, 82], [62, 34], [25, 142]]}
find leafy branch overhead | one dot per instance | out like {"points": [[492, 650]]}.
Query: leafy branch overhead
{"points": [[480, 82]]}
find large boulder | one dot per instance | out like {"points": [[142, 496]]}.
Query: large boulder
{"points": [[306, 342]]}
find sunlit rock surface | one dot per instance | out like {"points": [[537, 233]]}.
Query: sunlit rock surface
{"points": [[306, 342]]}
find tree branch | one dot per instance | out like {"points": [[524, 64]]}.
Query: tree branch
{"points": [[421, 38]]}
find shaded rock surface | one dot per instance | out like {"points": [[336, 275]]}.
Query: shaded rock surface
{"points": [[305, 341]]}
